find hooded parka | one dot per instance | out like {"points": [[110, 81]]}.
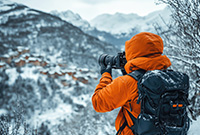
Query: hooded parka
{"points": [[143, 51]]}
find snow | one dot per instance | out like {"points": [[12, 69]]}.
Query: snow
{"points": [[3, 112], [13, 53], [67, 77], [54, 70], [6, 2], [67, 91], [18, 60], [21, 48], [72, 67], [29, 73], [54, 116], [25, 55], [16, 13], [2, 63], [101, 38], [194, 127], [53, 58], [81, 99], [100, 133], [13, 75], [6, 56], [5, 6], [34, 59]]}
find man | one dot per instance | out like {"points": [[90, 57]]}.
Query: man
{"points": [[143, 51]]}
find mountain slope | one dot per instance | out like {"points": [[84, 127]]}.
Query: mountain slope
{"points": [[46, 33]]}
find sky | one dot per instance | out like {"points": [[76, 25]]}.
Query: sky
{"points": [[89, 9]]}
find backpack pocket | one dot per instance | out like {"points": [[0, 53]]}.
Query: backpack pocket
{"points": [[146, 125]]}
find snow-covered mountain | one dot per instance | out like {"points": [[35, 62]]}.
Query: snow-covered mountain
{"points": [[120, 23], [85, 26], [117, 28]]}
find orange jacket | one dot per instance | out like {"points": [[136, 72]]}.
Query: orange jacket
{"points": [[143, 51]]}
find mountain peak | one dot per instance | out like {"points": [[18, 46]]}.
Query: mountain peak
{"points": [[120, 23], [72, 18], [116, 23], [66, 14]]}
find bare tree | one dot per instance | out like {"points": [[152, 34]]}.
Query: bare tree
{"points": [[182, 39]]}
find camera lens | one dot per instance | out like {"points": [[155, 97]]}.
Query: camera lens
{"points": [[105, 59], [101, 59], [117, 61]]}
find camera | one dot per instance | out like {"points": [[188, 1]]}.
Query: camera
{"points": [[117, 61]]}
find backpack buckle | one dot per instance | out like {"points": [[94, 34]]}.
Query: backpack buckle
{"points": [[177, 105]]}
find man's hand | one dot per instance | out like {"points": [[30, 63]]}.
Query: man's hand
{"points": [[107, 68]]}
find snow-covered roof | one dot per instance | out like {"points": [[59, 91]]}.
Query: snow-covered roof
{"points": [[19, 59], [34, 59], [21, 48], [72, 67], [54, 70], [12, 53], [5, 56], [26, 54], [44, 70], [67, 70], [2, 63], [83, 69]]}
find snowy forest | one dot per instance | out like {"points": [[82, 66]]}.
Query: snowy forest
{"points": [[49, 68]]}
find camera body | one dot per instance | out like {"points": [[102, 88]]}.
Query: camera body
{"points": [[118, 61]]}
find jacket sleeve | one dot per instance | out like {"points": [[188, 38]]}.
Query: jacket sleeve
{"points": [[109, 94]]}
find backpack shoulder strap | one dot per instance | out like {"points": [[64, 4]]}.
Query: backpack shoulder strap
{"points": [[137, 74], [122, 128], [126, 124]]}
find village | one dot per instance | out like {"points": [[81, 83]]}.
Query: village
{"points": [[21, 57]]}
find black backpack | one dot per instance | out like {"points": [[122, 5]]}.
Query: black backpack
{"points": [[163, 95]]}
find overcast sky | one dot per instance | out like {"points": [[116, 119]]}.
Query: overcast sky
{"points": [[88, 9]]}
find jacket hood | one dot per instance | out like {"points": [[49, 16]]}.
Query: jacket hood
{"points": [[143, 44], [144, 51]]}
